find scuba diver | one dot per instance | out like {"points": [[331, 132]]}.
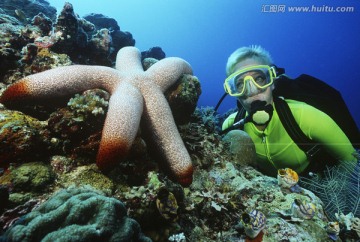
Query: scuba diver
{"points": [[251, 78]]}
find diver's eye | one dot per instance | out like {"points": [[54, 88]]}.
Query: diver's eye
{"points": [[261, 80], [239, 84]]}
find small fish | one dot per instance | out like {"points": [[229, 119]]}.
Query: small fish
{"points": [[288, 178], [254, 222], [333, 230], [21, 15], [166, 204], [303, 209]]}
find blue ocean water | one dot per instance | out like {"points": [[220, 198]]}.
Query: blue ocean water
{"points": [[319, 38]]}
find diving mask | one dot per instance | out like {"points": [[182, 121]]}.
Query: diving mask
{"points": [[262, 76]]}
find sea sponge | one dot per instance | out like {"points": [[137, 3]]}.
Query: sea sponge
{"points": [[241, 146]]}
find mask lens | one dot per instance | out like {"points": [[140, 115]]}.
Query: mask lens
{"points": [[239, 83], [260, 76]]}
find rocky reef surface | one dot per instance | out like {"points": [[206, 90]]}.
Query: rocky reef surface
{"points": [[51, 188]]}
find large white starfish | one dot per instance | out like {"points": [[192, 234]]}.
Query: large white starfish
{"points": [[133, 91]]}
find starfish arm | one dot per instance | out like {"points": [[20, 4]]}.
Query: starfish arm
{"points": [[61, 81], [164, 133], [128, 59], [121, 125], [167, 71]]}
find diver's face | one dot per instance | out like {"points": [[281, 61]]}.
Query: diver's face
{"points": [[253, 93]]}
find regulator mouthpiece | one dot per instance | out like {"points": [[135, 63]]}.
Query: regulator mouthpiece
{"points": [[261, 113]]}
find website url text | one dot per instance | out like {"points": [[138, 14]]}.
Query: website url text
{"points": [[280, 8]]}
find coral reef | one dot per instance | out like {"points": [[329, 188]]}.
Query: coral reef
{"points": [[44, 59], [210, 209], [135, 94], [77, 38], [220, 196], [76, 129], [229, 200], [33, 176], [154, 52], [22, 138], [183, 98], [338, 187], [77, 214], [202, 140], [89, 175], [101, 21], [118, 38], [96, 37], [208, 117], [43, 22], [28, 8], [71, 36]]}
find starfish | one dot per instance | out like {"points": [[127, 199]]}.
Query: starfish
{"points": [[135, 94]]}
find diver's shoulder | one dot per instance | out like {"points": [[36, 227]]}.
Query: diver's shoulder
{"points": [[293, 102], [296, 105]]}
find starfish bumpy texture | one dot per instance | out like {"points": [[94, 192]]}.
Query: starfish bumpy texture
{"points": [[135, 93]]}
